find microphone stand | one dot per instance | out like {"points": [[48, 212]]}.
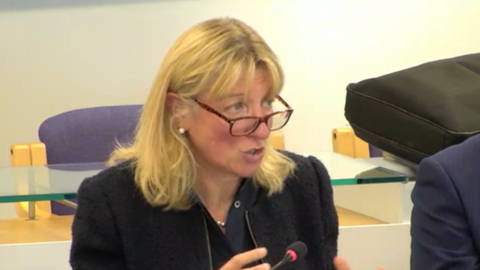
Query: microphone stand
{"points": [[285, 259]]}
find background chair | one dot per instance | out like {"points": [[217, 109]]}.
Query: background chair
{"points": [[87, 135], [78, 136]]}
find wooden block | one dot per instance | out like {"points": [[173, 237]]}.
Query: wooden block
{"points": [[38, 153], [362, 149], [28, 155], [20, 155], [277, 140], [343, 141], [346, 143]]}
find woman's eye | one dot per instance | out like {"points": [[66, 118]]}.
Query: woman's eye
{"points": [[268, 103], [240, 106], [236, 107]]}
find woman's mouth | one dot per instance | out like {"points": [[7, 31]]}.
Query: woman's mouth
{"points": [[255, 151], [254, 155]]}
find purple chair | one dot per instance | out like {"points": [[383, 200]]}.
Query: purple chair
{"points": [[85, 136]]}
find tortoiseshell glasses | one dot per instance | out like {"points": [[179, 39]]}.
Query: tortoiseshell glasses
{"points": [[243, 126]]}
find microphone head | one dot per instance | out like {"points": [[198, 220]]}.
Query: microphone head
{"points": [[297, 250]]}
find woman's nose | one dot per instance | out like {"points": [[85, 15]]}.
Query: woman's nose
{"points": [[261, 132]]}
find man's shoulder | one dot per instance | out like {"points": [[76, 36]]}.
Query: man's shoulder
{"points": [[468, 148], [460, 153], [460, 160]]}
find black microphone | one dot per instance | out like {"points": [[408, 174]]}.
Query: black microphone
{"points": [[295, 251]]}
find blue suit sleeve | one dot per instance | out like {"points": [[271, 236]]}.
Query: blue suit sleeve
{"points": [[441, 237]]}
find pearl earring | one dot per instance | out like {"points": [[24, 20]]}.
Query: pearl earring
{"points": [[181, 130]]}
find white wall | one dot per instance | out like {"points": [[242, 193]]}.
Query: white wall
{"points": [[55, 58]]}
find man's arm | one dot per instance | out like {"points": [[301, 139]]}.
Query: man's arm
{"points": [[441, 237]]}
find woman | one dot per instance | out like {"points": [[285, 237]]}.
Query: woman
{"points": [[201, 187]]}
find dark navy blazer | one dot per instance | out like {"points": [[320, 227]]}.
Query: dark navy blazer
{"points": [[446, 215]]}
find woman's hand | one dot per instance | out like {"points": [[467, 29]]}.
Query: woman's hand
{"points": [[341, 264], [242, 259]]}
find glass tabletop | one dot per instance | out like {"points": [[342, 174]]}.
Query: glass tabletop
{"points": [[44, 182], [60, 182], [345, 170]]}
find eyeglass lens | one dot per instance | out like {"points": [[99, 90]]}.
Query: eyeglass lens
{"points": [[248, 125]]}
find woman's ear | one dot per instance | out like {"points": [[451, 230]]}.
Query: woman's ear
{"points": [[177, 109], [173, 103]]}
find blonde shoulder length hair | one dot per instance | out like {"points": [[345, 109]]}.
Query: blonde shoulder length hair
{"points": [[210, 56]]}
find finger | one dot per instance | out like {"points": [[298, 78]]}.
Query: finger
{"points": [[264, 266], [340, 264], [238, 261]]}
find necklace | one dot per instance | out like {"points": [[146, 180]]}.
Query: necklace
{"points": [[221, 224]]}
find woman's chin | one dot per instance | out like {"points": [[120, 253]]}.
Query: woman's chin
{"points": [[247, 171]]}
